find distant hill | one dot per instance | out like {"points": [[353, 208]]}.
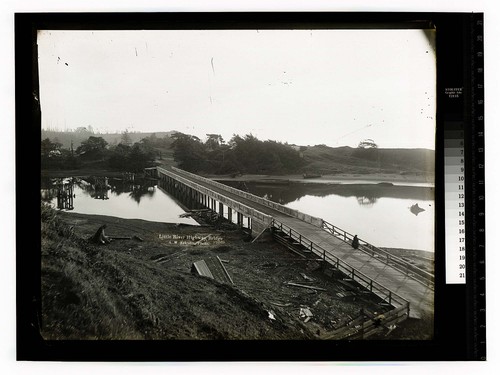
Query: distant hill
{"points": [[328, 160]]}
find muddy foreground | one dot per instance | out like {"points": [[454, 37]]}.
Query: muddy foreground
{"points": [[144, 287]]}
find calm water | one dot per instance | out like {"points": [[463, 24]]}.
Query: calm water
{"points": [[379, 214], [128, 201], [386, 223]]}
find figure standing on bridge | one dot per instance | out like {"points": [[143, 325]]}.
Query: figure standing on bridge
{"points": [[355, 242]]}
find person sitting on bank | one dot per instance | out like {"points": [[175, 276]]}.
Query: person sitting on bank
{"points": [[355, 242], [100, 237]]}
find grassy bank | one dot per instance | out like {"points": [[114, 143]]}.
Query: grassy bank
{"points": [[142, 287], [108, 292]]}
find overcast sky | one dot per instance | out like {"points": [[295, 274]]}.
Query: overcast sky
{"points": [[334, 87]]}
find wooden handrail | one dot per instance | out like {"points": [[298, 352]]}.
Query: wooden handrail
{"points": [[420, 275], [344, 266]]}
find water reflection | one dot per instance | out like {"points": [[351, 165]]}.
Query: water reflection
{"points": [[381, 214], [366, 195], [60, 191], [366, 201], [137, 199]]}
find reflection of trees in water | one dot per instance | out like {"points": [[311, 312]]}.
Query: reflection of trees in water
{"points": [[139, 191], [136, 190], [366, 194], [366, 201]]}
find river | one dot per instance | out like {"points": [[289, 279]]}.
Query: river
{"points": [[378, 213]]}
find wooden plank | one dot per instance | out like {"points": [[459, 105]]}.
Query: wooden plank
{"points": [[202, 269], [306, 286], [225, 270]]}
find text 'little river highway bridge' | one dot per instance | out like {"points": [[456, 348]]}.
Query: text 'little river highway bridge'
{"points": [[399, 283]]}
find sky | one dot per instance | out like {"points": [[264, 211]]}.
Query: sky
{"points": [[304, 87]]}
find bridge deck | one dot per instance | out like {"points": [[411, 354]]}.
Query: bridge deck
{"points": [[421, 298]]}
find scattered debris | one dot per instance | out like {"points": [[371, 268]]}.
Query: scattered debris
{"points": [[270, 265], [271, 315], [328, 272], [225, 270], [390, 329], [305, 286], [313, 266], [305, 313], [307, 278], [201, 268], [212, 268], [280, 304]]}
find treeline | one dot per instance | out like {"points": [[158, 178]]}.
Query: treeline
{"points": [[95, 151], [240, 155], [75, 137]]}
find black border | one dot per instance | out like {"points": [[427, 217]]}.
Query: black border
{"points": [[455, 326]]}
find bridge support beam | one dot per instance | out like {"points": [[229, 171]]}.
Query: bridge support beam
{"points": [[230, 214], [221, 209]]}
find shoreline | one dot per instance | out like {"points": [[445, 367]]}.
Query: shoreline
{"points": [[352, 178], [330, 179]]}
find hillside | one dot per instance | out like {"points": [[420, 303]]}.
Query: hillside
{"points": [[328, 160]]}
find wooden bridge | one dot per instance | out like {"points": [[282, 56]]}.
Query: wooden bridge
{"points": [[407, 288]]}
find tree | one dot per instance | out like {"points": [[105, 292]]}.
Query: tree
{"points": [[119, 156], [126, 139], [367, 144], [47, 147], [367, 149], [189, 152], [92, 148], [213, 142]]}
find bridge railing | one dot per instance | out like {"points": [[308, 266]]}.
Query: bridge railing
{"points": [[363, 328], [402, 265], [365, 281], [240, 207], [265, 202]]}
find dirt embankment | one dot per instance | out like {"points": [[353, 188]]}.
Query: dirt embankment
{"points": [[143, 287]]}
